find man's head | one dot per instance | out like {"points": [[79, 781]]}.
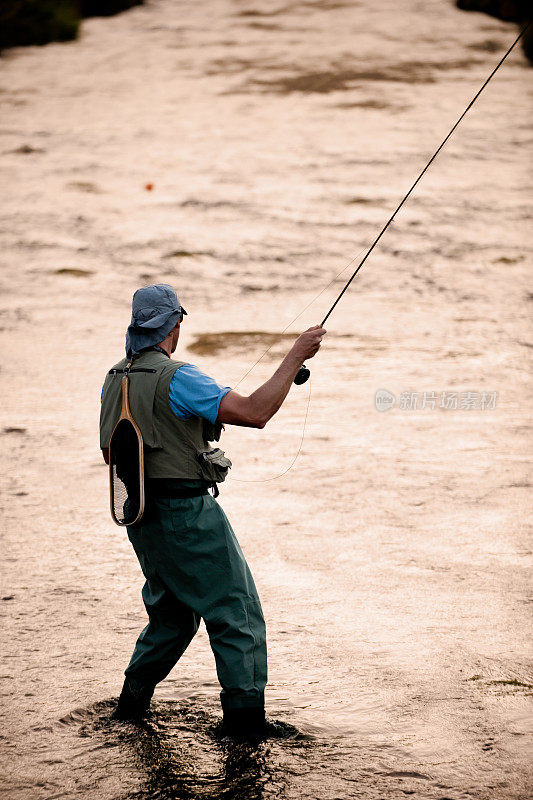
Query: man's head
{"points": [[155, 313]]}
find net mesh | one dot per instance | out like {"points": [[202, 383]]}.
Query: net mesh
{"points": [[126, 473]]}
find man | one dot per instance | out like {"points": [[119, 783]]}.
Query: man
{"points": [[192, 562]]}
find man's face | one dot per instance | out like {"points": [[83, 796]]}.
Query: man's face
{"points": [[175, 336]]}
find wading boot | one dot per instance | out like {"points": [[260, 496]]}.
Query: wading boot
{"points": [[134, 701], [244, 724]]}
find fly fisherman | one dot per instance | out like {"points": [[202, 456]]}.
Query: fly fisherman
{"points": [[192, 562]]}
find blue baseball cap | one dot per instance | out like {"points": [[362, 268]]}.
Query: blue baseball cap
{"points": [[155, 310]]}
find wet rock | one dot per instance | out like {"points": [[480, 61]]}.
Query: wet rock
{"points": [[341, 76], [240, 341], [184, 253], [74, 271], [26, 149], [487, 46], [84, 186]]}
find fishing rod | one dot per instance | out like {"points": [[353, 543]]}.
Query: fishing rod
{"points": [[304, 372]]}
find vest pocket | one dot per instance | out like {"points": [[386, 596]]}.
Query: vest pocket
{"points": [[214, 464]]}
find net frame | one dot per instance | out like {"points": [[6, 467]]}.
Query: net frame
{"points": [[126, 416]]}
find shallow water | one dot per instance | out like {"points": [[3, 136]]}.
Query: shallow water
{"points": [[393, 559]]}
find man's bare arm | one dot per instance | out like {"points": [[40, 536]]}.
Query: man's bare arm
{"points": [[258, 408]]}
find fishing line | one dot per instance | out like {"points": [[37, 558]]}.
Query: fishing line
{"points": [[430, 162], [304, 373]]}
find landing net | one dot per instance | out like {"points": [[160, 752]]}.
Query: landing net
{"points": [[126, 465]]}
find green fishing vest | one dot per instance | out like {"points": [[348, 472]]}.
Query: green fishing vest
{"points": [[172, 446]]}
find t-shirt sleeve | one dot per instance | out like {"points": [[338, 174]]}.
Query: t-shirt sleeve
{"points": [[193, 394]]}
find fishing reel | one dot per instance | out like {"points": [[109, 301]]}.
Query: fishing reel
{"points": [[302, 375]]}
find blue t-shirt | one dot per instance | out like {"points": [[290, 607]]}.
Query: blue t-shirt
{"points": [[193, 394]]}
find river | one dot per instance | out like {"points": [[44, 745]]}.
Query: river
{"points": [[246, 151]]}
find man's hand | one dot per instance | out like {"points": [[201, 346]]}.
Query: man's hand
{"points": [[308, 343], [255, 411]]}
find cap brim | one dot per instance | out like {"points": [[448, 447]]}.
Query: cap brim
{"points": [[157, 322]]}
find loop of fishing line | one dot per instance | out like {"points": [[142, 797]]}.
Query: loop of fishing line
{"points": [[293, 462]]}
